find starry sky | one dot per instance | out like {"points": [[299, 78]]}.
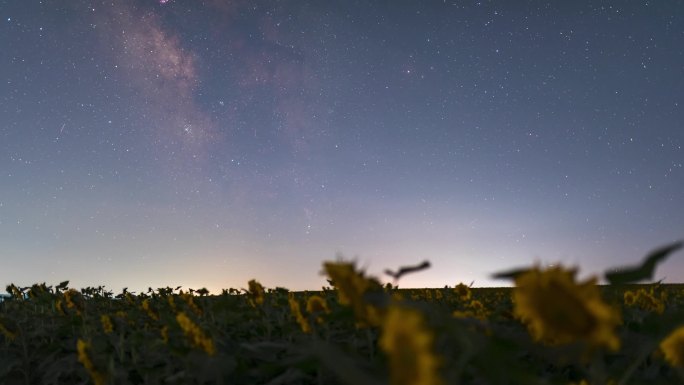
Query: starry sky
{"points": [[207, 142]]}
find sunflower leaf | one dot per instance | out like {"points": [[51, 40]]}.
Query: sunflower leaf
{"points": [[645, 270], [511, 274], [407, 269]]}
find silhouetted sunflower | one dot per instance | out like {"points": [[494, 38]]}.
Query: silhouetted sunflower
{"points": [[463, 291], [256, 293]]}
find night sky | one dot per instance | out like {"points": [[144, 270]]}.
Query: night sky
{"points": [[205, 143]]}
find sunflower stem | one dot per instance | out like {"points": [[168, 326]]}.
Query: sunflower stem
{"points": [[635, 364], [371, 344]]}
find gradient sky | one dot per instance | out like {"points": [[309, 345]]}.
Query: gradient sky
{"points": [[205, 143]]}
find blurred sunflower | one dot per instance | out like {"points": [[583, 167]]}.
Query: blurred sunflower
{"points": [[409, 345], [74, 300], [106, 322], [195, 334], [463, 291], [129, 297], [558, 310], [645, 300], [351, 287], [83, 348], [149, 310], [349, 283], [15, 292], [673, 348], [297, 313], [190, 301], [629, 298], [59, 307], [474, 309], [164, 332], [5, 330], [256, 293], [317, 306]]}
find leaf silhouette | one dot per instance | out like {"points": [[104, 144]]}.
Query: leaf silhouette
{"points": [[643, 271], [407, 269], [511, 274]]}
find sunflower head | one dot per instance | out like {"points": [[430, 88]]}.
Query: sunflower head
{"points": [[195, 334], [350, 284], [463, 291], [408, 343], [559, 310], [646, 300], [84, 357], [629, 298], [256, 292], [316, 304], [296, 311], [107, 325], [673, 348], [147, 307], [74, 301], [352, 287]]}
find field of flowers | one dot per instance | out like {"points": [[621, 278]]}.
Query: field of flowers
{"points": [[549, 328]]}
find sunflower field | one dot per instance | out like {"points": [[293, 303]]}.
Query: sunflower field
{"points": [[549, 328]]}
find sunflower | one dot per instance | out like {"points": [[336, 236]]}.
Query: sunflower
{"points": [[629, 297], [190, 301], [352, 286], [673, 347], [195, 334], [256, 293], [164, 332], [349, 283], [149, 310], [4, 330], [645, 300], [59, 306], [409, 345], [15, 292], [463, 291], [558, 310], [106, 322], [297, 313], [317, 306], [83, 348], [474, 309], [74, 300]]}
